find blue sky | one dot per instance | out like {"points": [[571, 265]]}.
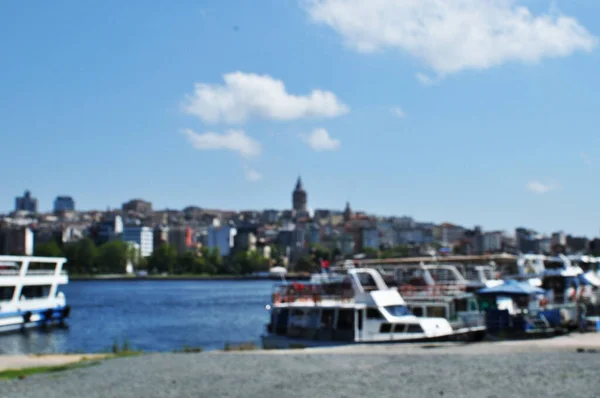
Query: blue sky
{"points": [[474, 112]]}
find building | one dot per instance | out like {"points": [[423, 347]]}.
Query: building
{"points": [[142, 236], [64, 203], [182, 238], [493, 241], [16, 241], [108, 229], [369, 238], [270, 216], [449, 233], [161, 236], [347, 212], [221, 237], [526, 241], [299, 197], [26, 203], [138, 206]]}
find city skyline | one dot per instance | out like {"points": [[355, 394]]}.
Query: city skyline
{"points": [[224, 107], [297, 205]]}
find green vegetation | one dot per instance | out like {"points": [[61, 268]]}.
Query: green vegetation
{"points": [[23, 373], [249, 346], [124, 350], [189, 350]]}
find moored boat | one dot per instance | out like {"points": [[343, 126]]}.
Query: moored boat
{"points": [[355, 308], [29, 294]]}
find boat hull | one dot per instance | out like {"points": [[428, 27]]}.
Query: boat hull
{"points": [[17, 321], [273, 341]]}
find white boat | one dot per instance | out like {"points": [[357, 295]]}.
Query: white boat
{"points": [[29, 294], [360, 309], [442, 291]]}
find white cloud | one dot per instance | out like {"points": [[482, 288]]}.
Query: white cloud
{"points": [[398, 112], [232, 140], [426, 80], [453, 35], [586, 159], [252, 175], [248, 95], [540, 187], [319, 140]]}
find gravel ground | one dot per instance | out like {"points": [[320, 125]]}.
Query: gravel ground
{"points": [[433, 372]]}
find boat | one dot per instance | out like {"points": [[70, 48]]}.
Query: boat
{"points": [[442, 291], [29, 292], [358, 308]]}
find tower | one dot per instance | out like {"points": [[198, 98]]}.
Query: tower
{"points": [[299, 197], [347, 212]]}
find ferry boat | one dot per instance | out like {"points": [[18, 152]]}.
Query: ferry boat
{"points": [[29, 294], [355, 308], [442, 291]]}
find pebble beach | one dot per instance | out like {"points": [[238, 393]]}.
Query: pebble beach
{"points": [[564, 366]]}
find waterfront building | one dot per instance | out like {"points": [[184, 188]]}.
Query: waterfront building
{"points": [[64, 203], [299, 197], [141, 236], [16, 240], [26, 203], [269, 216], [369, 238], [182, 238], [221, 237]]}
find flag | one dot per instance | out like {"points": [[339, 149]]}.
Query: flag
{"points": [[324, 263]]}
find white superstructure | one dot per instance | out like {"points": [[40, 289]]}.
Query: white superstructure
{"points": [[360, 308], [29, 293]]}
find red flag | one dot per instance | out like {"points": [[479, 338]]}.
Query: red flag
{"points": [[325, 263]]}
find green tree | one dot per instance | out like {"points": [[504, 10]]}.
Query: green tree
{"points": [[81, 256], [191, 263], [321, 252], [48, 249], [249, 262], [306, 264], [112, 257], [163, 259]]}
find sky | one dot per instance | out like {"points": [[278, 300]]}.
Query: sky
{"points": [[477, 112]]}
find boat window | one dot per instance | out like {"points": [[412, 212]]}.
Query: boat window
{"points": [[360, 314], [385, 328], [397, 310], [436, 312], [345, 319], [6, 293], [414, 328], [417, 311], [373, 313], [461, 305], [327, 319], [473, 305], [367, 281], [35, 291]]}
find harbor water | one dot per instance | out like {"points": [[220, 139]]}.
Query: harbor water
{"points": [[154, 316]]}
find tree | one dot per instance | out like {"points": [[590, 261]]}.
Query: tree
{"points": [[48, 249], [371, 252], [81, 256], [306, 264], [191, 263], [321, 252], [163, 259], [112, 257], [249, 262]]}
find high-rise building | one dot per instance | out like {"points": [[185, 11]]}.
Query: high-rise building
{"points": [[299, 198], [26, 203], [64, 203]]}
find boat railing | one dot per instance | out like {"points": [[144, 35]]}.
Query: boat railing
{"points": [[311, 293], [447, 289], [30, 272]]}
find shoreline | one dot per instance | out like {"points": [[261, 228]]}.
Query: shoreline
{"points": [[582, 343]]}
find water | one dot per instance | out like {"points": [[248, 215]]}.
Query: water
{"points": [[152, 316]]}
